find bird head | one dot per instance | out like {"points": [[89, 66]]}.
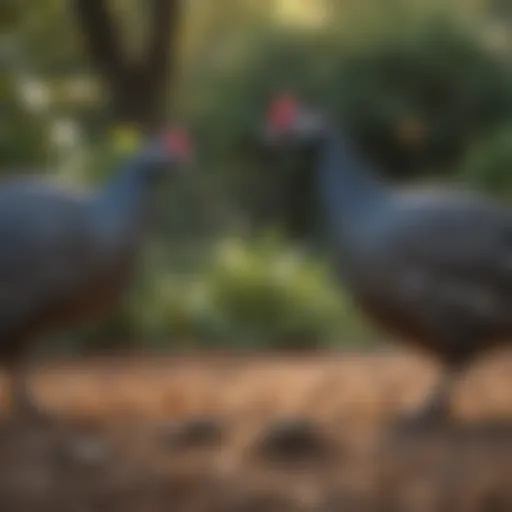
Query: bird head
{"points": [[170, 148], [168, 151], [290, 123]]}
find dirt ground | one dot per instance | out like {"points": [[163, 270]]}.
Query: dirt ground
{"points": [[262, 433]]}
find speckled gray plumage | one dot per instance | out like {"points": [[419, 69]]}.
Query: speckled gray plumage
{"points": [[67, 255], [433, 268]]}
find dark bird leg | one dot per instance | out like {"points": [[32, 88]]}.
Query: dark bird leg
{"points": [[436, 409], [22, 401], [66, 448]]}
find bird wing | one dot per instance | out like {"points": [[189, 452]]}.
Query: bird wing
{"points": [[454, 258], [41, 237], [463, 240]]}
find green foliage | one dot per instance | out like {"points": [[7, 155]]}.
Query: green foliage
{"points": [[266, 293], [417, 98], [23, 140], [257, 295], [488, 164], [413, 90]]}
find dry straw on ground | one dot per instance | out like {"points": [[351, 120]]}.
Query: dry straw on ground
{"points": [[192, 434]]}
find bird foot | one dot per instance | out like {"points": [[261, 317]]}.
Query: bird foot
{"points": [[427, 420], [31, 414]]}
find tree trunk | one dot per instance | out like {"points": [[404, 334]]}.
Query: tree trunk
{"points": [[138, 90], [133, 101]]}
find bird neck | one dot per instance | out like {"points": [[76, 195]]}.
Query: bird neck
{"points": [[123, 206], [348, 190]]}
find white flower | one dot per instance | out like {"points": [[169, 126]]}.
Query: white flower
{"points": [[65, 133], [34, 93]]}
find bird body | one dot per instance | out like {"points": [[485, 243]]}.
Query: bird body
{"points": [[61, 261], [434, 268], [53, 254], [67, 255]]}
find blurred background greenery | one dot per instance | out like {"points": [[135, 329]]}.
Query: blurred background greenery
{"points": [[425, 86]]}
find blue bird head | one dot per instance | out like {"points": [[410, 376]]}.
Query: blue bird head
{"points": [[171, 148]]}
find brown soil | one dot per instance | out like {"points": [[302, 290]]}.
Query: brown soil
{"points": [[123, 440]]}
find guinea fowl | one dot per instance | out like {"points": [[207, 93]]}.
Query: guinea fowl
{"points": [[66, 256], [433, 268]]}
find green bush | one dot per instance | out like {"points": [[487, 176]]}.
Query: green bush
{"points": [[488, 163], [262, 294], [413, 92], [418, 97], [23, 134], [249, 294]]}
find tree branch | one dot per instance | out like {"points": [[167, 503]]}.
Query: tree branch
{"points": [[101, 35]]}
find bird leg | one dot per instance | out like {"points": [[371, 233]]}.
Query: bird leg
{"points": [[437, 407], [67, 449], [23, 403]]}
